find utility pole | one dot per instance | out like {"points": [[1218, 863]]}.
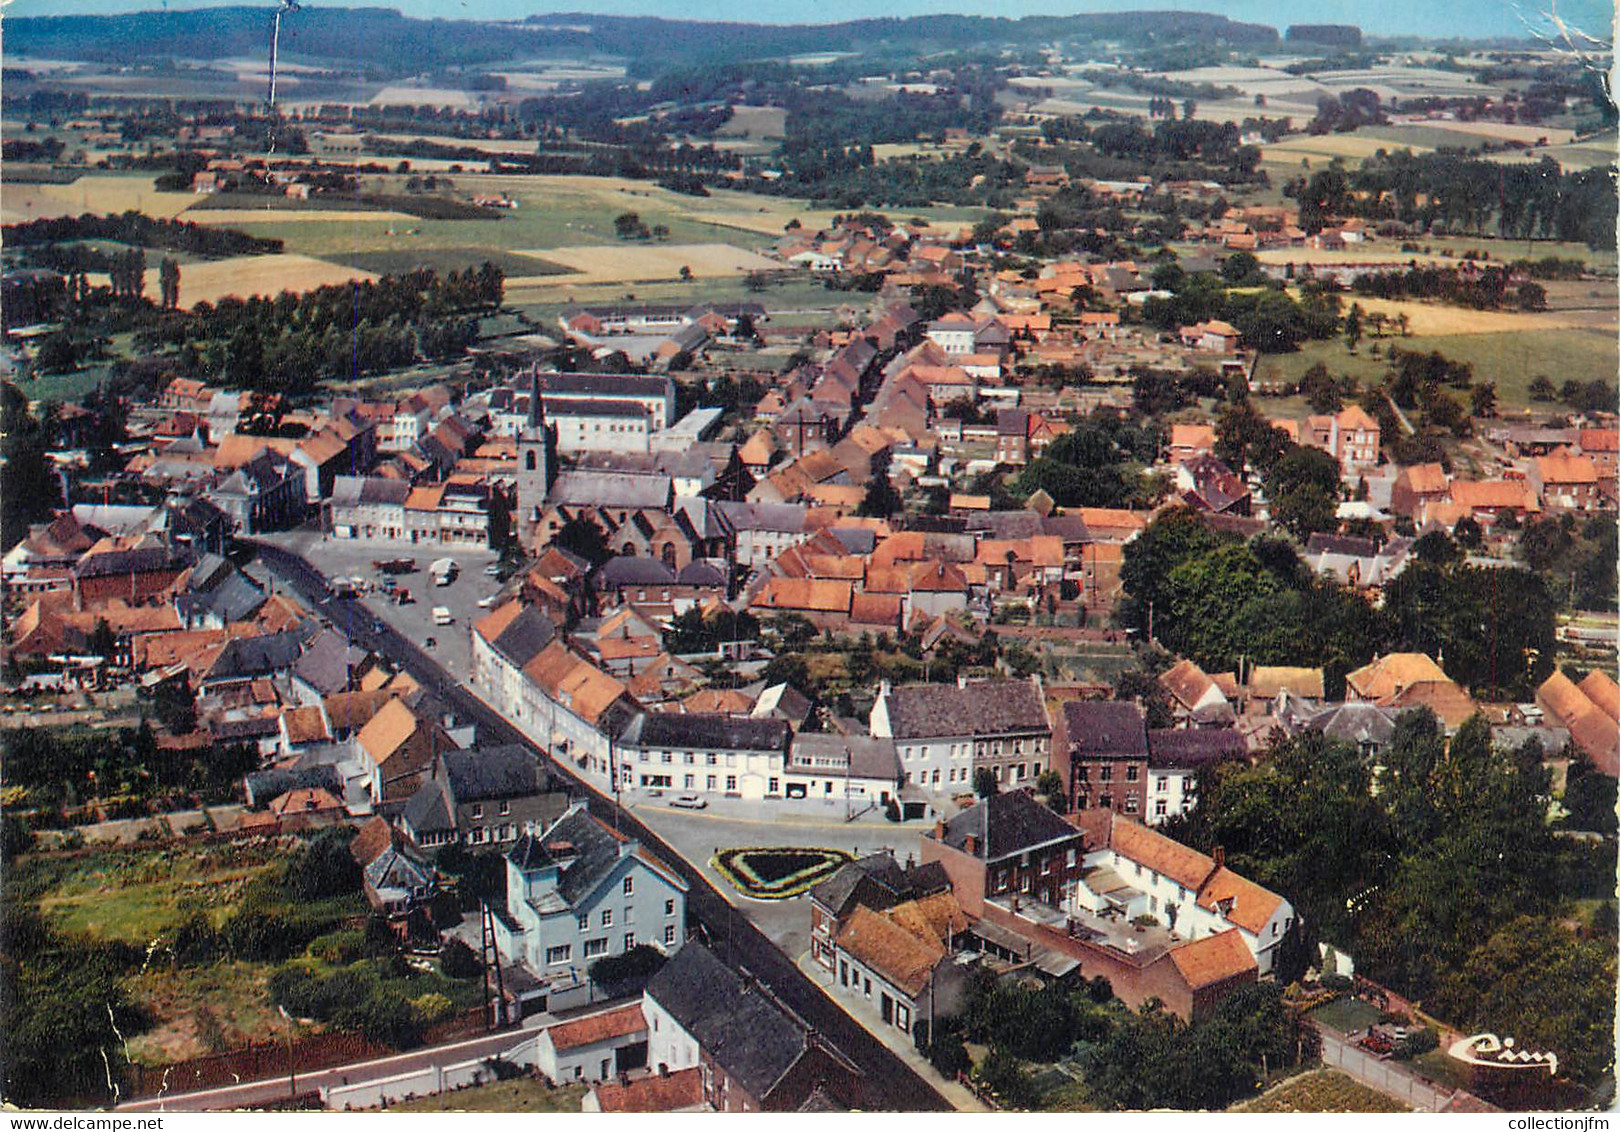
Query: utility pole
{"points": [[292, 1074]]}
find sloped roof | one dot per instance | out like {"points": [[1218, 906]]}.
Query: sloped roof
{"points": [[676, 1092], [389, 730], [1561, 467], [820, 596], [1387, 675], [1449, 702], [1152, 850], [1097, 727], [1489, 494], [304, 724], [1251, 906], [990, 707], [741, 1029], [1213, 959], [1187, 683], [1266, 682], [900, 956], [1193, 747], [707, 732], [595, 1028], [505, 771], [1602, 690], [1003, 824], [1425, 479]]}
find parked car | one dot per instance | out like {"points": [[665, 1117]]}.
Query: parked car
{"points": [[486, 602], [493, 570], [689, 802]]}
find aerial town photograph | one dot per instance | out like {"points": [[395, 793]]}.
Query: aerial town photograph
{"points": [[968, 556]]}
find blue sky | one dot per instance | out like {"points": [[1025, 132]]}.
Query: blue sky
{"points": [[1420, 17]]}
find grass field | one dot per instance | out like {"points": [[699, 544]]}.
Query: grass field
{"points": [[443, 260], [291, 214], [528, 1094], [1511, 360], [137, 895], [1324, 1090]]}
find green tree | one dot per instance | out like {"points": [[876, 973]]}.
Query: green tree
{"points": [[985, 784]]}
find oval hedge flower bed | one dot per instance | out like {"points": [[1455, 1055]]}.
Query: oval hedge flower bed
{"points": [[777, 874]]}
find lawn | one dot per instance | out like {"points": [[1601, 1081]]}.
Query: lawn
{"points": [[397, 261], [529, 1094], [1323, 1090], [1346, 1015]]}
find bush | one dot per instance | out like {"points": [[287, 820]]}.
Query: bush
{"points": [[1100, 989], [637, 965], [1418, 1041], [949, 1056], [432, 1007], [325, 867], [458, 961], [1337, 983], [339, 948]]}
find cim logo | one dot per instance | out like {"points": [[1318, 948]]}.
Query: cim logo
{"points": [[1498, 1053]]}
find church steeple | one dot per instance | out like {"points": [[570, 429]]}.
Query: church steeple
{"points": [[534, 446]]}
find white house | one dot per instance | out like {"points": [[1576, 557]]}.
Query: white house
{"points": [[710, 753], [581, 892]]}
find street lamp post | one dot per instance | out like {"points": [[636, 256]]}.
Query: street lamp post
{"points": [[292, 1073]]}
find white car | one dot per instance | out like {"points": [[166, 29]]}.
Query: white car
{"points": [[493, 570], [689, 802], [441, 615], [486, 602]]}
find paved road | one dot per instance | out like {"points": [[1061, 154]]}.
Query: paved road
{"points": [[894, 1086], [277, 1088]]}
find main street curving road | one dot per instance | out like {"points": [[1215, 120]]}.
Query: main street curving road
{"points": [[893, 1085]]}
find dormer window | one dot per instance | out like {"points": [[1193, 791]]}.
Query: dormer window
{"points": [[478, 809]]}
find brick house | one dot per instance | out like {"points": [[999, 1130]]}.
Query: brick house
{"points": [[1107, 752], [1006, 846]]}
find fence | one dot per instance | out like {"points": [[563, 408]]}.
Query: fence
{"points": [[257, 1061], [428, 1081], [1389, 1078]]}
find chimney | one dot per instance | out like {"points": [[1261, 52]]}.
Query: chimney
{"points": [[1220, 856], [939, 829]]}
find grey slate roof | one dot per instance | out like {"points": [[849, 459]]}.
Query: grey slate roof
{"points": [[243, 657], [232, 598], [755, 1041], [611, 489], [264, 785], [328, 661], [706, 731], [429, 810], [894, 884], [1320, 543], [869, 756], [632, 570], [593, 854], [351, 490], [506, 771], [924, 711], [700, 574], [528, 633], [1004, 824], [1355, 723], [1097, 727], [1194, 747], [787, 517], [602, 385]]}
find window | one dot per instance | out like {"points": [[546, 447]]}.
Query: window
{"points": [[710, 782], [774, 787], [559, 954], [1106, 801], [1132, 803], [478, 809], [669, 933], [629, 913], [867, 988], [711, 760], [506, 808], [1274, 929], [1106, 772], [629, 940], [691, 781], [595, 948], [584, 923], [1132, 772], [1159, 808], [669, 907], [731, 783], [1164, 784], [607, 917], [1082, 773], [1071, 858], [629, 885]]}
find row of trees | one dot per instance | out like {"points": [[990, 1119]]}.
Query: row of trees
{"points": [[139, 230]]}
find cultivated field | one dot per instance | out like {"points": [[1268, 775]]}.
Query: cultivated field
{"points": [[758, 122], [1431, 319], [423, 96], [1325, 1090], [630, 263], [249, 275], [106, 195], [235, 217]]}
